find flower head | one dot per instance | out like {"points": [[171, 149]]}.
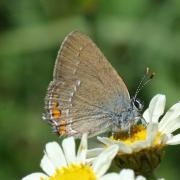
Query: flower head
{"points": [[166, 125], [63, 163], [143, 149]]}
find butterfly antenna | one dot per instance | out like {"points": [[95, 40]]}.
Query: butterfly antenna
{"points": [[148, 76]]}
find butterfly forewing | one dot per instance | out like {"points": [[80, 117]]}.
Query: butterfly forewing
{"points": [[85, 89]]}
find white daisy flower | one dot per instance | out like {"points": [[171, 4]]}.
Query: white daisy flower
{"points": [[64, 164], [144, 147], [166, 125]]}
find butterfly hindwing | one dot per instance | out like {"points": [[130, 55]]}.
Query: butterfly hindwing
{"points": [[85, 89]]}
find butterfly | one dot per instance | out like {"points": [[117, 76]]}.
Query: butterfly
{"points": [[87, 95]]}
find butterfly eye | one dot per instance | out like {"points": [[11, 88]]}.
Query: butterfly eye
{"points": [[138, 104]]}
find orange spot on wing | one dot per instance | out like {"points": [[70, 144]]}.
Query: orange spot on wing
{"points": [[56, 113], [62, 128]]}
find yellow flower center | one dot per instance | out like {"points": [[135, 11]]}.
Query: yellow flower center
{"points": [[138, 133], [73, 171]]}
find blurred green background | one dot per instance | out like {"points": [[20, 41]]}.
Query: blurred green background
{"points": [[131, 34]]}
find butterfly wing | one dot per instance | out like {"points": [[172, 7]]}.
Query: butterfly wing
{"points": [[85, 90]]}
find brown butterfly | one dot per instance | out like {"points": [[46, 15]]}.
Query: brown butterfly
{"points": [[86, 94]]}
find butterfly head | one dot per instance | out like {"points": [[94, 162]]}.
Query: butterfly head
{"points": [[137, 104], [131, 113]]}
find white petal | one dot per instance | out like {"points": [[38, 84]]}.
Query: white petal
{"points": [[103, 161], [110, 176], [82, 151], [155, 109], [90, 160], [93, 153], [175, 140], [139, 145], [55, 154], [165, 137], [34, 176], [69, 148], [171, 115], [126, 174], [152, 130], [123, 148], [140, 178], [47, 165], [106, 141], [172, 126], [146, 115]]}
